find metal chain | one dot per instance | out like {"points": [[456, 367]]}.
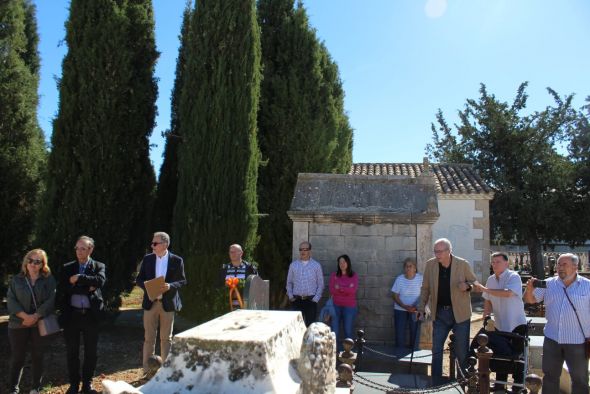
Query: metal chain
{"points": [[365, 347], [393, 390]]}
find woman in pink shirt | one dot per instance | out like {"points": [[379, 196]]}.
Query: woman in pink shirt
{"points": [[343, 287]]}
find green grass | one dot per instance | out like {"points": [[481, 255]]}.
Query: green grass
{"points": [[133, 299]]}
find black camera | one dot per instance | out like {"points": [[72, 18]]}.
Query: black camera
{"points": [[540, 283]]}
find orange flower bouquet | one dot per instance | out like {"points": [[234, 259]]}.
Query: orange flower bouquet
{"points": [[234, 292]]}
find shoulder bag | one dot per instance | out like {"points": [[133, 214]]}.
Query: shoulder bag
{"points": [[47, 325], [586, 339]]}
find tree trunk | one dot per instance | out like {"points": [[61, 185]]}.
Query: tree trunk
{"points": [[536, 253]]}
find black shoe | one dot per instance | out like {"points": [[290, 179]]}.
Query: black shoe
{"points": [[87, 389]]}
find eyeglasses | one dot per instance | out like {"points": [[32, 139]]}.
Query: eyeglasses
{"points": [[82, 248], [439, 251], [303, 249], [157, 243], [35, 261]]}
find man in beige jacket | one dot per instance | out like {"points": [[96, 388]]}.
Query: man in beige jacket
{"points": [[447, 282]]}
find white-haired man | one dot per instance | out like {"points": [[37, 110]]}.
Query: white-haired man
{"points": [[446, 285], [160, 310], [567, 309]]}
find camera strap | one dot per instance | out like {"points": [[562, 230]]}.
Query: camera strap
{"points": [[575, 311]]}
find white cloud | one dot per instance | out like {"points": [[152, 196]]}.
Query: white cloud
{"points": [[435, 8]]}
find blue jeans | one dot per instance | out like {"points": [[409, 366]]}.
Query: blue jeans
{"points": [[444, 323], [346, 315], [403, 320]]}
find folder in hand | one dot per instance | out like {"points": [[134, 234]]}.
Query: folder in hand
{"points": [[153, 287]]}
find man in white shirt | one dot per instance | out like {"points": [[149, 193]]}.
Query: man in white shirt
{"points": [[503, 296], [160, 310]]}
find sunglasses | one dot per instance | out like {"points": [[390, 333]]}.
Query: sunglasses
{"points": [[35, 261], [157, 243]]}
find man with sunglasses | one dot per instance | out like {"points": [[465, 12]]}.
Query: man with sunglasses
{"points": [[80, 293], [305, 283], [160, 310]]}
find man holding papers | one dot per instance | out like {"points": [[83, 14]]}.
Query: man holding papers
{"points": [[160, 276]]}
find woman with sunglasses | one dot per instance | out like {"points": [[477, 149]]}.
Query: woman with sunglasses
{"points": [[34, 278]]}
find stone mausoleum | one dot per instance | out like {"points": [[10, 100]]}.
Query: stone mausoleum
{"points": [[379, 214]]}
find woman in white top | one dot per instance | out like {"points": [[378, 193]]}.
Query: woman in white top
{"points": [[406, 294]]}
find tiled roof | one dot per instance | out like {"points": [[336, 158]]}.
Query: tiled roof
{"points": [[449, 178]]}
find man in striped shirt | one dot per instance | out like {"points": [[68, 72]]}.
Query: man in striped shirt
{"points": [[305, 283], [564, 331]]}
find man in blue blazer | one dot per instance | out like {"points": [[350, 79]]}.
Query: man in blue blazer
{"points": [[160, 310]]}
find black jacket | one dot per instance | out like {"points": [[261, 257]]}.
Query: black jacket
{"points": [[93, 276], [174, 276]]}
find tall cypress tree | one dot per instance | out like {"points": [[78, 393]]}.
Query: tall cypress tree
{"points": [[218, 157], [336, 117], [100, 180], [22, 147], [302, 125], [168, 181]]}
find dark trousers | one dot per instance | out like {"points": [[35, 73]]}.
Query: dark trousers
{"points": [[19, 338], [508, 347], [308, 309], [87, 325], [554, 355], [406, 320]]}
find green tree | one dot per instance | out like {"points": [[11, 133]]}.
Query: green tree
{"points": [[168, 180], [22, 146], [100, 181], [519, 156], [578, 229], [218, 156], [302, 126]]}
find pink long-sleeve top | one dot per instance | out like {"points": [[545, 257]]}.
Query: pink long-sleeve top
{"points": [[343, 289]]}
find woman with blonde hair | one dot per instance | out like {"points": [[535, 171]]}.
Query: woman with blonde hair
{"points": [[30, 297]]}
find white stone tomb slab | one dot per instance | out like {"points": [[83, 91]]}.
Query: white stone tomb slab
{"points": [[245, 351]]}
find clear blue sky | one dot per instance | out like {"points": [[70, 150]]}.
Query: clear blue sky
{"points": [[400, 60]]}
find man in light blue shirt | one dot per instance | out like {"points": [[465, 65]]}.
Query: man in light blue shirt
{"points": [[305, 283], [567, 309], [503, 296]]}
